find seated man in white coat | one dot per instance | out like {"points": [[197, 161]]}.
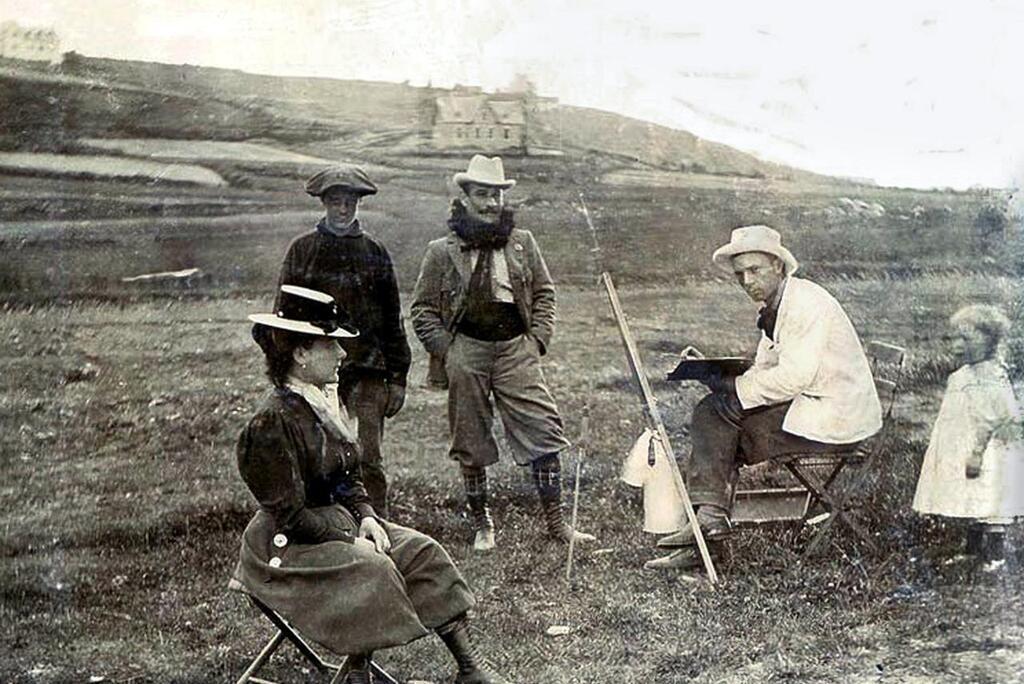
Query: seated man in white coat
{"points": [[810, 389]]}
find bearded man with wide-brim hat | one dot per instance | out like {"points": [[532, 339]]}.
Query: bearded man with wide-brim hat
{"points": [[338, 257], [809, 390], [484, 309]]}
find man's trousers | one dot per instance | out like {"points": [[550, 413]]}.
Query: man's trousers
{"points": [[719, 446], [365, 396], [510, 372]]}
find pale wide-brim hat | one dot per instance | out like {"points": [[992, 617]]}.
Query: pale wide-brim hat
{"points": [[754, 239], [484, 171], [306, 311]]}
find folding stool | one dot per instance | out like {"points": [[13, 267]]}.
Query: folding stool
{"points": [[286, 631], [813, 499]]}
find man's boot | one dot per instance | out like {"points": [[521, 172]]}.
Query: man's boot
{"points": [[472, 668], [475, 481], [714, 524], [547, 476], [359, 669]]}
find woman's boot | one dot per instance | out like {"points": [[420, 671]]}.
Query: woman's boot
{"points": [[475, 481], [975, 539], [472, 668], [994, 553], [359, 668], [547, 476]]}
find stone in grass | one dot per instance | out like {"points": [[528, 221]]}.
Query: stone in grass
{"points": [[558, 630], [83, 373]]}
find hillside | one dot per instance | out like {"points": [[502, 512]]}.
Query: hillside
{"points": [[581, 128], [112, 98]]}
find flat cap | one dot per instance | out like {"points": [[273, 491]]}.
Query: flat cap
{"points": [[348, 176]]}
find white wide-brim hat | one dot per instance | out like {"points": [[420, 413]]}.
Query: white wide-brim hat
{"points": [[306, 311], [484, 171], [754, 239]]}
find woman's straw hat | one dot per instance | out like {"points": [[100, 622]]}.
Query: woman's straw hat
{"points": [[305, 311]]}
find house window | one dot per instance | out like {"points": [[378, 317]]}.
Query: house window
{"points": [[506, 134], [490, 132], [478, 132]]}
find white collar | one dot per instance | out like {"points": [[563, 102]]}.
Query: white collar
{"points": [[325, 405]]}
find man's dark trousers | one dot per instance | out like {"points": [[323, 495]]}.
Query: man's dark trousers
{"points": [[365, 396], [721, 443]]}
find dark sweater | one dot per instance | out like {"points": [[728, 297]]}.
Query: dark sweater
{"points": [[358, 273]]}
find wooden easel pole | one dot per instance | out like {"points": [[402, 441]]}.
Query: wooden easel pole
{"points": [[654, 421]]}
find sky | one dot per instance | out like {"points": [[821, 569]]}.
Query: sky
{"points": [[904, 92]]}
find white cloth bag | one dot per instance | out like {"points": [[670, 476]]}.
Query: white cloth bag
{"points": [[663, 507]]}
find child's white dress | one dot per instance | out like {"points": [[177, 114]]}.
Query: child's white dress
{"points": [[979, 399]]}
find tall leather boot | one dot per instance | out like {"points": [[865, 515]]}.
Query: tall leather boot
{"points": [[359, 669], [547, 477], [475, 481], [472, 668]]}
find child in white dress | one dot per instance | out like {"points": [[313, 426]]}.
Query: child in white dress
{"points": [[974, 465]]}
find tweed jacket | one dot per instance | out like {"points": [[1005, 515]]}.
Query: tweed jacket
{"points": [[816, 361], [439, 299], [294, 468]]}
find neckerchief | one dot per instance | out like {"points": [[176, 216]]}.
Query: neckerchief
{"points": [[769, 313], [326, 407], [477, 234], [481, 291], [351, 230]]}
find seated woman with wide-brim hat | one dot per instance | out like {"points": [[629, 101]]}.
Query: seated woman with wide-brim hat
{"points": [[316, 552]]}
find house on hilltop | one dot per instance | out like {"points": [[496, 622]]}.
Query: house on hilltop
{"points": [[31, 44], [469, 118]]}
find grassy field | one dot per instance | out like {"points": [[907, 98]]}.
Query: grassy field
{"points": [[122, 509], [198, 150], [100, 166], [648, 235]]}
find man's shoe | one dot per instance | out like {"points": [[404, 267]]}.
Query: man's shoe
{"points": [[713, 527], [683, 559], [484, 540], [566, 534]]}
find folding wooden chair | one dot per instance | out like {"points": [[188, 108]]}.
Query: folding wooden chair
{"points": [[286, 631], [813, 498]]}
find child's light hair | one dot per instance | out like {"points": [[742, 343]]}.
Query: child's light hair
{"points": [[989, 320]]}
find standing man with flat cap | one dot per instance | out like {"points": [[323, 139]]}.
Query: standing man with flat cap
{"points": [[338, 258], [484, 306]]}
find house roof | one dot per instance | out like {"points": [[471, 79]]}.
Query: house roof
{"points": [[471, 108], [507, 112]]}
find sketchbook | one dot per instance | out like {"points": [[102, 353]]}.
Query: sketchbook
{"points": [[701, 369]]}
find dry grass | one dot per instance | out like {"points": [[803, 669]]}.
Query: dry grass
{"points": [[122, 511]]}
